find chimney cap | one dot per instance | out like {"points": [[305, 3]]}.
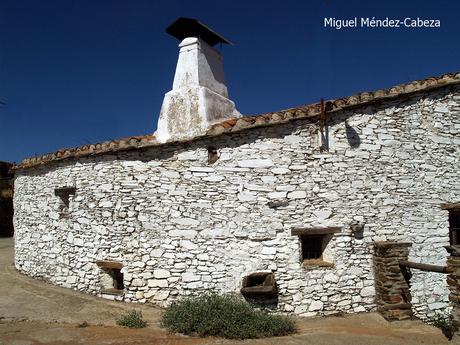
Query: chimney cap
{"points": [[189, 27]]}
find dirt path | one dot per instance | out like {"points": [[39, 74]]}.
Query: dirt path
{"points": [[37, 313]]}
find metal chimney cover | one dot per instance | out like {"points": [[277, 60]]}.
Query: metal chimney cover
{"points": [[189, 27]]}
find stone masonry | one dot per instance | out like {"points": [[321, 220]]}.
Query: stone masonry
{"points": [[392, 289], [179, 224]]}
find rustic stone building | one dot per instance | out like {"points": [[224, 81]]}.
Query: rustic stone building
{"points": [[302, 194]]}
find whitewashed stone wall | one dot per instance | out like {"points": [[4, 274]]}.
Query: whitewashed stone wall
{"points": [[180, 225]]}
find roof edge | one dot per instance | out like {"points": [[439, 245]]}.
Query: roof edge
{"points": [[247, 122]]}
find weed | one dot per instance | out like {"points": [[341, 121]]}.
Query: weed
{"points": [[132, 319]]}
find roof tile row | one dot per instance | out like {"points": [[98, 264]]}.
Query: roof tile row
{"points": [[238, 124]]}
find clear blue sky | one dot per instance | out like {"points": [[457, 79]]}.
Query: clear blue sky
{"points": [[74, 72]]}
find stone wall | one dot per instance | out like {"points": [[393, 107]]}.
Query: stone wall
{"points": [[179, 224]]}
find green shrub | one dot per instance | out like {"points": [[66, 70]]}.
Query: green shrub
{"points": [[224, 316], [132, 319]]}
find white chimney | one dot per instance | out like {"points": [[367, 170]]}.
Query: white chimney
{"points": [[199, 96]]}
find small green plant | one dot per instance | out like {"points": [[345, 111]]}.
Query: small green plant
{"points": [[132, 319], [225, 316]]}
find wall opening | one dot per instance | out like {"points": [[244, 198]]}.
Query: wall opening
{"points": [[454, 226], [64, 194], [112, 281], [313, 245], [213, 155], [260, 289]]}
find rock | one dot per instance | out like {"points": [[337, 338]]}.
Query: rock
{"points": [[161, 295], [298, 194], [139, 264], [189, 277], [300, 309], [201, 169], [137, 282], [188, 245], [256, 187], [82, 220], [437, 305], [71, 280], [161, 283], [367, 291], [183, 233], [270, 180], [331, 277], [356, 271], [161, 273], [268, 251], [213, 178], [106, 204], [157, 253], [54, 215], [255, 163], [280, 171], [276, 195], [293, 139], [359, 309], [170, 174], [315, 305], [322, 214], [187, 156], [246, 196], [78, 242], [186, 221]]}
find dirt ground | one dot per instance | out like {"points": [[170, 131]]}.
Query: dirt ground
{"points": [[37, 313]]}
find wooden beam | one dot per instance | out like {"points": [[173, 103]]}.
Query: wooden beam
{"points": [[109, 264], [315, 231], [450, 206], [426, 267]]}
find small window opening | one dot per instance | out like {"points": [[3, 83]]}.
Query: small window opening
{"points": [[312, 247], [112, 281], [64, 196], [454, 226], [213, 155], [256, 279], [117, 276], [314, 243], [260, 289]]}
